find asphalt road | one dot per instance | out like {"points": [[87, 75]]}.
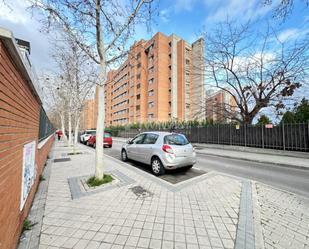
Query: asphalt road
{"points": [[290, 179]]}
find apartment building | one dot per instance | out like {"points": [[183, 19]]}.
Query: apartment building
{"points": [[88, 115], [220, 106], [162, 79]]}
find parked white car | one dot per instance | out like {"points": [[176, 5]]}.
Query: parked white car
{"points": [[86, 135], [161, 150]]}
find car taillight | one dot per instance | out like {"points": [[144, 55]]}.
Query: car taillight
{"points": [[168, 149]]}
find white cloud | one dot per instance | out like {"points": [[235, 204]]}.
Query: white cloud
{"points": [[292, 34], [14, 12], [165, 15], [236, 9], [16, 18], [181, 5]]}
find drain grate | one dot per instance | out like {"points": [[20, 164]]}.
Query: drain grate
{"points": [[59, 160], [139, 191], [75, 153]]}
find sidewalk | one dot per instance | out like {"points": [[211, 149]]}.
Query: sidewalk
{"points": [[140, 210], [283, 158]]}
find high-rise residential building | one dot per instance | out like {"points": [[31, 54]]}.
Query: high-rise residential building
{"points": [[88, 115], [220, 106], [161, 79]]}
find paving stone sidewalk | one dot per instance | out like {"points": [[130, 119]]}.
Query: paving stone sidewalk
{"points": [[210, 211]]}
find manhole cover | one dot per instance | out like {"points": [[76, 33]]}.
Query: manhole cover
{"points": [[59, 160], [139, 191]]}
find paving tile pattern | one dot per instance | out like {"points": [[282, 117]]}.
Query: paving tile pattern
{"points": [[245, 229], [284, 218], [201, 215]]}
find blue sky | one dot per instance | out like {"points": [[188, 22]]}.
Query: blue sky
{"points": [[185, 18]]}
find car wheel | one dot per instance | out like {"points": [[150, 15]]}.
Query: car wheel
{"points": [[94, 145], [157, 166], [124, 156], [189, 167], [110, 146]]}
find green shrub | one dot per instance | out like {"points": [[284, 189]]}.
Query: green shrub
{"points": [[93, 181]]}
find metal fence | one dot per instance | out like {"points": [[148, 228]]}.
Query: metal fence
{"points": [[294, 137], [45, 126]]}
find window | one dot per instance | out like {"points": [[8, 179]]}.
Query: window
{"points": [[138, 107], [138, 139], [138, 65], [150, 116], [151, 93], [150, 138], [151, 81], [138, 76], [150, 104], [138, 96], [106, 135], [175, 139], [187, 61], [138, 85], [170, 43], [151, 69], [138, 55], [170, 67]]}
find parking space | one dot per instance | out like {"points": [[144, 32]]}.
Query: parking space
{"points": [[171, 176]]}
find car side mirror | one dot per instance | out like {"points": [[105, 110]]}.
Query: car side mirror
{"points": [[129, 141]]}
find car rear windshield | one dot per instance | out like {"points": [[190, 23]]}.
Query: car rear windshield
{"points": [[91, 132], [175, 139], [107, 135]]}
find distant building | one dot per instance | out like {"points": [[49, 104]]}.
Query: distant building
{"points": [[220, 106], [161, 80], [88, 115]]}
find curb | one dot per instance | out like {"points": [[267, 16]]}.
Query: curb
{"points": [[258, 161]]}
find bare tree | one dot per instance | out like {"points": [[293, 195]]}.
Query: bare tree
{"points": [[56, 97], [284, 8], [79, 75], [101, 29], [258, 71]]}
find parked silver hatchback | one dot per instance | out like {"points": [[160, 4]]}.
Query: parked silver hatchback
{"points": [[161, 150]]}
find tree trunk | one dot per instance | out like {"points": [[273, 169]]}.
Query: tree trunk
{"points": [[70, 129], [99, 159], [76, 129], [99, 163], [62, 126]]}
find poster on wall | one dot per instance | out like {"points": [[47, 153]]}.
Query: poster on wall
{"points": [[28, 172]]}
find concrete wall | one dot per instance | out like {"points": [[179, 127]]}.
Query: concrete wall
{"points": [[19, 125]]}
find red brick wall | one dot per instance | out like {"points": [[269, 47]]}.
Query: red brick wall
{"points": [[19, 124]]}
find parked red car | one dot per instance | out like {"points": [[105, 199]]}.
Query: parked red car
{"points": [[107, 142]]}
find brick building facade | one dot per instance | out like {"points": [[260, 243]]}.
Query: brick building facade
{"points": [[20, 107], [220, 106], [88, 115]]}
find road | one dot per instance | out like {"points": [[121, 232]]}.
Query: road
{"points": [[290, 179]]}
